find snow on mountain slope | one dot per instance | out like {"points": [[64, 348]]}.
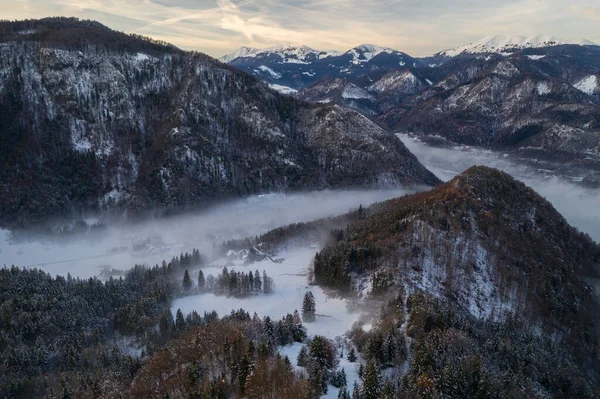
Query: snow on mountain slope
{"points": [[271, 72], [241, 52], [403, 80], [301, 66], [283, 89], [366, 52], [499, 44], [288, 54], [354, 92], [588, 85]]}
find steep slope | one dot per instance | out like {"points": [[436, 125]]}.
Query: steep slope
{"points": [[369, 93], [484, 258], [542, 101], [340, 91], [300, 66], [93, 118]]}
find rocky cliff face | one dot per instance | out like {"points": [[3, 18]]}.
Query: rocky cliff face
{"points": [[94, 118], [543, 101]]}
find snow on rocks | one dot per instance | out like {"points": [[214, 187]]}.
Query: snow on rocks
{"points": [[588, 85]]}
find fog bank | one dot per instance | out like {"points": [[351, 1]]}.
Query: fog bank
{"points": [[578, 204], [149, 242]]}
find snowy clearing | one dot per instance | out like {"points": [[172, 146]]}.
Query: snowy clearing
{"points": [[290, 277]]}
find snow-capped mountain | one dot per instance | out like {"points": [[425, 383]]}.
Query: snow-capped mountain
{"points": [[500, 44], [130, 123], [542, 102], [299, 66], [289, 54]]}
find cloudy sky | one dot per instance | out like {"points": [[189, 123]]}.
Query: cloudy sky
{"points": [[418, 27]]}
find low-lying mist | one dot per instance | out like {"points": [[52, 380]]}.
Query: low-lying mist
{"points": [[578, 204], [121, 246]]}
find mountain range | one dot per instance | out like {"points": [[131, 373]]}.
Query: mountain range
{"points": [[96, 119], [538, 97]]}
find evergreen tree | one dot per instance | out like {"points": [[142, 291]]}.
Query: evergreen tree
{"points": [[371, 388], [165, 324], [303, 356], [352, 356], [355, 391], [308, 308], [179, 321], [257, 282], [187, 281], [344, 394], [201, 281], [244, 370], [388, 392]]}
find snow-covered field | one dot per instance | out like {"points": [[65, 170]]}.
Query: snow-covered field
{"points": [[579, 205], [121, 246], [291, 283]]}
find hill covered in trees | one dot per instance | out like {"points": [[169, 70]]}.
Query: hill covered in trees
{"points": [[488, 284]]}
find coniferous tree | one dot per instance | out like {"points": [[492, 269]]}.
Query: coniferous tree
{"points": [[352, 355], [187, 281], [308, 308], [371, 388], [303, 357], [179, 321], [355, 391], [201, 281], [344, 394]]}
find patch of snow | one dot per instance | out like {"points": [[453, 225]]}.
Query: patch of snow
{"points": [[543, 88], [351, 91], [535, 57], [283, 89], [588, 85], [294, 61], [271, 72], [141, 57]]}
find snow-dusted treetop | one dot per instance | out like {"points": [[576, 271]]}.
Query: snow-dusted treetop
{"points": [[496, 44]]}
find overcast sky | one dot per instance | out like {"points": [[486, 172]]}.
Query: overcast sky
{"points": [[417, 27]]}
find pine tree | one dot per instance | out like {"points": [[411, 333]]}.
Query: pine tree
{"points": [[352, 356], [355, 391], [201, 281], [165, 324], [344, 394], [303, 357], [257, 282], [187, 281], [388, 392], [308, 308], [371, 388], [179, 321]]}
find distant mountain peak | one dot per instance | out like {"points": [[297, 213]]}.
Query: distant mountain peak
{"points": [[502, 43], [298, 52]]}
